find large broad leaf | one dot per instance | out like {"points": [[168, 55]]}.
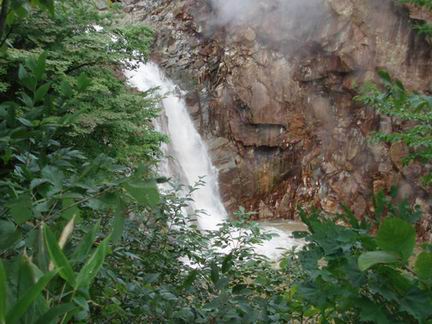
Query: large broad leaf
{"points": [[19, 309], [396, 235], [54, 175], [145, 193], [8, 234], [58, 258], [70, 209], [423, 266], [417, 303], [2, 293], [371, 312], [369, 259], [92, 266], [41, 92], [21, 209]]}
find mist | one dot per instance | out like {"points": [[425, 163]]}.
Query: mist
{"points": [[248, 11], [284, 23]]}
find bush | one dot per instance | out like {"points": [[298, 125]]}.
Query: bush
{"points": [[352, 276]]}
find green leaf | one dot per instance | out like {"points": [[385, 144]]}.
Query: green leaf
{"points": [[38, 66], [30, 83], [92, 266], [385, 77], [9, 235], [49, 5], [417, 303], [37, 182], [189, 279], [58, 258], [227, 263], [19, 309], [2, 293], [369, 259], [26, 279], [83, 309], [83, 82], [22, 73], [70, 209], [214, 272], [371, 312], [143, 192], [25, 122], [41, 92], [350, 216], [379, 205], [41, 253], [21, 208], [53, 175], [66, 89], [396, 235], [423, 266], [54, 313], [118, 225], [83, 249], [400, 85]]}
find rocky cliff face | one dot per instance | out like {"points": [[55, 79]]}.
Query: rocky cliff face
{"points": [[272, 88]]}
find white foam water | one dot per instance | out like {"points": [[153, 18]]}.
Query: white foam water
{"points": [[191, 159]]}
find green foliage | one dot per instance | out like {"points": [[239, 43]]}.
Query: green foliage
{"points": [[423, 267], [85, 50], [397, 236], [86, 236], [351, 276], [52, 181], [422, 3], [369, 259], [58, 258], [424, 28], [2, 293], [33, 292], [413, 110], [167, 271]]}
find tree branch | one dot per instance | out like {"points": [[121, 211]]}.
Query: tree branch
{"points": [[79, 66]]}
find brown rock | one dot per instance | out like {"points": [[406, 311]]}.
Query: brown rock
{"points": [[398, 151], [280, 92]]}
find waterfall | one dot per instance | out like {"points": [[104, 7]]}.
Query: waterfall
{"points": [[191, 159], [186, 146]]}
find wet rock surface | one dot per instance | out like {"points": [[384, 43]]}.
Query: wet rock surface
{"points": [[273, 97]]}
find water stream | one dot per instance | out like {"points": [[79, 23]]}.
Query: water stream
{"points": [[191, 160]]}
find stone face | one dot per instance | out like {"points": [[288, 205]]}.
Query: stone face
{"points": [[274, 97]]}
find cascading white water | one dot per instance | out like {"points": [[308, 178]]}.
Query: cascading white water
{"points": [[192, 159], [186, 145]]}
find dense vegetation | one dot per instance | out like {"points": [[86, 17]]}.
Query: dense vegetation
{"points": [[421, 3], [423, 27], [86, 236]]}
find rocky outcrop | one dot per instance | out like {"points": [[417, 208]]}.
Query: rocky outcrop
{"points": [[273, 93]]}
